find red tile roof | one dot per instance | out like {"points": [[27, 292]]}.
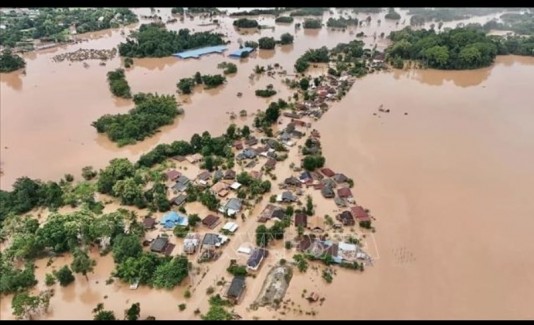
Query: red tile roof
{"points": [[327, 172], [344, 192], [359, 213], [173, 174]]}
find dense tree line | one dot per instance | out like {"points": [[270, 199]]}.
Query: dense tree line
{"points": [[284, 19], [518, 23], [319, 55], [341, 22], [196, 10], [373, 10], [10, 61], [152, 40], [245, 23], [52, 24], [257, 12], [459, 48], [312, 24], [150, 113], [314, 11], [118, 84], [450, 14]]}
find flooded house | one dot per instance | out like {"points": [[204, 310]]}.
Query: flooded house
{"points": [[231, 207], [340, 178], [256, 258], [172, 175], [301, 219], [327, 172], [149, 223], [328, 192], [346, 218], [179, 200], [360, 214], [162, 245], [344, 193], [181, 184], [230, 174], [236, 289], [211, 221], [286, 197]]}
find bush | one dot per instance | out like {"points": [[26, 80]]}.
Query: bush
{"points": [[118, 84], [312, 24], [245, 23], [50, 280], [181, 307], [265, 92], [286, 38], [210, 290], [64, 276], [284, 19], [266, 43]]}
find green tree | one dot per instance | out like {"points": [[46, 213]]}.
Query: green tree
{"points": [[64, 276], [304, 84], [245, 131], [170, 274], [101, 314], [186, 85], [266, 43], [82, 263], [286, 38], [133, 312], [193, 220], [88, 173], [309, 206], [231, 131], [25, 306], [125, 246], [263, 235], [10, 62], [217, 313]]}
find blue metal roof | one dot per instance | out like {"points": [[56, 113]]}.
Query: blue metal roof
{"points": [[202, 51], [238, 52], [173, 218]]}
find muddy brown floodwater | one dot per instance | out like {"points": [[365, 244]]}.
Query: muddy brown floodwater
{"points": [[449, 183]]}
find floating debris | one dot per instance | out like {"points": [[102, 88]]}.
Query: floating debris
{"points": [[86, 54]]}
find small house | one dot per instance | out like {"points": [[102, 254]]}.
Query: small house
{"points": [[238, 145], [173, 174], [270, 164], [292, 181], [256, 258], [360, 214], [210, 241], [327, 172], [301, 219], [211, 221], [255, 174], [346, 218], [328, 192], [191, 242], [286, 197], [252, 141], [340, 178], [235, 186], [159, 244], [172, 219], [204, 176], [149, 223], [194, 158], [305, 177], [230, 226], [344, 193], [179, 200], [231, 207], [230, 174], [236, 289], [181, 183]]}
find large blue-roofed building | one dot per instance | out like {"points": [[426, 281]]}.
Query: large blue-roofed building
{"points": [[196, 53], [237, 53], [173, 218]]}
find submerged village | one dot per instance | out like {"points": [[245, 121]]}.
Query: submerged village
{"points": [[227, 221]]}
